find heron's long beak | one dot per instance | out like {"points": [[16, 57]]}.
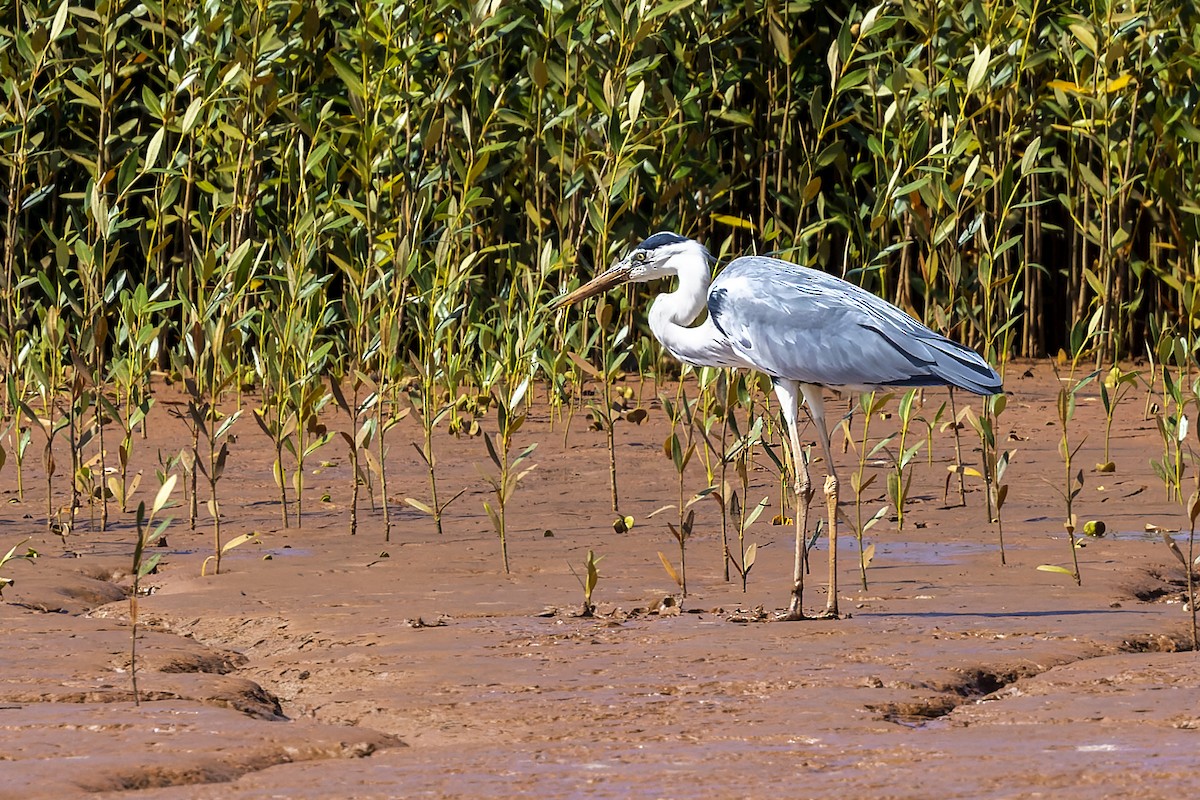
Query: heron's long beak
{"points": [[615, 275]]}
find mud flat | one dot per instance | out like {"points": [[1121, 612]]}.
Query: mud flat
{"points": [[353, 667]]}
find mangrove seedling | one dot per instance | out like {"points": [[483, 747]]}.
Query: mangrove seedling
{"points": [[714, 406], [232, 544], [1173, 427], [147, 531], [509, 470], [681, 534], [20, 434], [1189, 566], [50, 426], [995, 463], [610, 408], [740, 454], [1073, 479], [591, 576], [900, 479], [362, 428], [681, 414], [742, 520], [870, 404], [1172, 423], [307, 398], [1113, 388], [29, 555], [930, 426]]}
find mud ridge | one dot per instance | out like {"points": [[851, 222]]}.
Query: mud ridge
{"points": [[163, 776], [986, 683], [974, 684]]}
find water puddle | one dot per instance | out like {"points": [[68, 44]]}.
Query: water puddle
{"points": [[939, 553]]}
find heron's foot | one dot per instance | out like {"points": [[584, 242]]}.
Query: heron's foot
{"points": [[795, 611], [829, 613]]}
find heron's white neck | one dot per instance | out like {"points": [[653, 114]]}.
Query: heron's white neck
{"points": [[673, 312]]}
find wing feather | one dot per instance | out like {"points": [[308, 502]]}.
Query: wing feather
{"points": [[802, 324]]}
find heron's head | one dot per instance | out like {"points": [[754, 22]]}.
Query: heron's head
{"points": [[659, 256]]}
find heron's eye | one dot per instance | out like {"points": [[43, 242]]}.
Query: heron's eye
{"points": [[639, 256]]}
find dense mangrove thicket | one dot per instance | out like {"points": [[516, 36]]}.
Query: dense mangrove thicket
{"points": [[409, 182]]}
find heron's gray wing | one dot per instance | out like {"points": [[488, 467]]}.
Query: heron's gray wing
{"points": [[803, 324]]}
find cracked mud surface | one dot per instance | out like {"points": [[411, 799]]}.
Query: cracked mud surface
{"points": [[353, 667]]}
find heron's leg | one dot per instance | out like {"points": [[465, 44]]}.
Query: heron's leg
{"points": [[789, 400], [816, 409]]}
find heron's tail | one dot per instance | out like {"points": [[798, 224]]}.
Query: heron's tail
{"points": [[963, 368]]}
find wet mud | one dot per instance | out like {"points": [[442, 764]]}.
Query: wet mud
{"points": [[319, 664]]}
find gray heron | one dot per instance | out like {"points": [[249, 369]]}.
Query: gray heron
{"points": [[803, 328]]}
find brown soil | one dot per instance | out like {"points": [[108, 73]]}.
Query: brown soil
{"points": [[353, 667]]}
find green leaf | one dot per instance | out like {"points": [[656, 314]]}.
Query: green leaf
{"points": [[1087, 38], [189, 116], [1054, 568], [978, 71], [1093, 182], [906, 405], [583, 365], [418, 505], [153, 149], [348, 75], [518, 394], [491, 512], [227, 423], [86, 97], [635, 101], [238, 541], [852, 80], [878, 516], [12, 551], [758, 510], [60, 20], [524, 454], [491, 448], [667, 8], [779, 38], [1029, 159], [149, 565], [164, 494]]}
